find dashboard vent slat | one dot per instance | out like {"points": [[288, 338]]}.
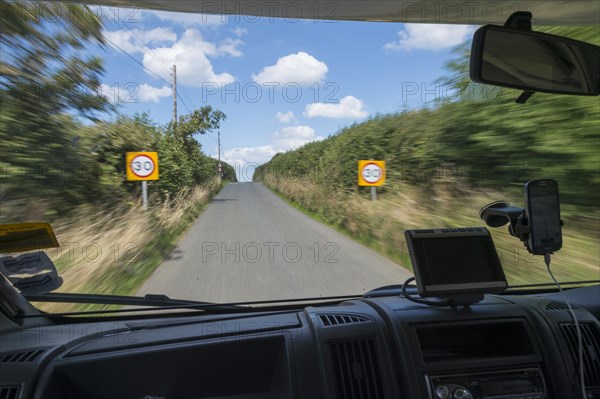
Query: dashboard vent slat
{"points": [[329, 320], [555, 305], [356, 369], [9, 392], [591, 350], [19, 357]]}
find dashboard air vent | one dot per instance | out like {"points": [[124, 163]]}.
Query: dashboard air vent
{"points": [[9, 392], [591, 350], [555, 305], [356, 368], [18, 357], [329, 320]]}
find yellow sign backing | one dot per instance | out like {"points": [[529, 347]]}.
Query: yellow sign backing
{"points": [[142, 165], [371, 173]]}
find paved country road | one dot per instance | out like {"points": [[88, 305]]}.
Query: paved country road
{"points": [[248, 244]]}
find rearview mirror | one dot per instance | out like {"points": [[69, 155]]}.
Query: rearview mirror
{"points": [[533, 61]]}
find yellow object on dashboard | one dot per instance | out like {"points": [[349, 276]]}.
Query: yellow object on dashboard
{"points": [[20, 237]]}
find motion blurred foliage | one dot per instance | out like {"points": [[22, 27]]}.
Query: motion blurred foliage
{"points": [[474, 134], [62, 143], [446, 160]]}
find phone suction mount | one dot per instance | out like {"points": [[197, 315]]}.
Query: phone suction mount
{"points": [[499, 213]]}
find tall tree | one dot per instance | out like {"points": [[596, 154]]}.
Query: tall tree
{"points": [[199, 121], [46, 80]]}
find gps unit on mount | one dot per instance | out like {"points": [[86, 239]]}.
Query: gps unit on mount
{"points": [[458, 264]]}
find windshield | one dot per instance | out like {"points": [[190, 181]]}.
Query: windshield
{"points": [[216, 158]]}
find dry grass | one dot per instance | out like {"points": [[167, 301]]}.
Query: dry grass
{"points": [[381, 224], [113, 252]]}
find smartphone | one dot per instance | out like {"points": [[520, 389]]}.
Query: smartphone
{"points": [[543, 214]]}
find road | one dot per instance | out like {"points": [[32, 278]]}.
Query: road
{"points": [[248, 244]]}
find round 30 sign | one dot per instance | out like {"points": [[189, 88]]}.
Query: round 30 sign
{"points": [[371, 173], [142, 165]]}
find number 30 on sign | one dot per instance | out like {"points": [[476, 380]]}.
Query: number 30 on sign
{"points": [[142, 165], [371, 173]]}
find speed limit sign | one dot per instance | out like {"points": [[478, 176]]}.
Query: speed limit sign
{"points": [[371, 173], [142, 165]]}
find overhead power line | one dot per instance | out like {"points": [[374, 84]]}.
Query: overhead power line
{"points": [[173, 86], [137, 62], [179, 87], [188, 97], [183, 102]]}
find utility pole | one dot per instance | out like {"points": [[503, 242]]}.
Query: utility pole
{"points": [[220, 167], [174, 74], [373, 190]]}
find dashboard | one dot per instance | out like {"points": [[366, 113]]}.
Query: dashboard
{"points": [[507, 346]]}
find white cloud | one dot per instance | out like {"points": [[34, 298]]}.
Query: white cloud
{"points": [[113, 94], [136, 40], [187, 19], [287, 117], [240, 156], [190, 54], [246, 159], [147, 93], [429, 37], [126, 94], [291, 137], [300, 68], [230, 47], [161, 48], [347, 107], [239, 31], [156, 35]]}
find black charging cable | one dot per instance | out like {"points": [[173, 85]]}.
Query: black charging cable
{"points": [[577, 326], [421, 300]]}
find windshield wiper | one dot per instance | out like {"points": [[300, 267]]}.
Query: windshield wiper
{"points": [[396, 289], [554, 285], [177, 304], [157, 300]]}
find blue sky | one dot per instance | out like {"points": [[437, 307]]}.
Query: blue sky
{"points": [[282, 83]]}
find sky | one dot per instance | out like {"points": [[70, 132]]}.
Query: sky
{"points": [[281, 82]]}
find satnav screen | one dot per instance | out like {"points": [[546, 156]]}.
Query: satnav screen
{"points": [[456, 260]]}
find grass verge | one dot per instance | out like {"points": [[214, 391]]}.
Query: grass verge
{"points": [[394, 256], [115, 252], [380, 225]]}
